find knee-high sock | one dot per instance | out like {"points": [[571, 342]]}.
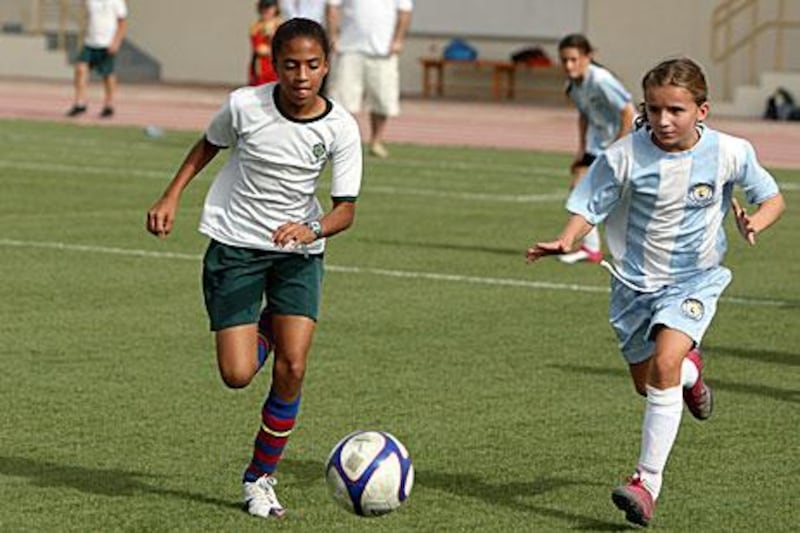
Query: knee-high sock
{"points": [[277, 421], [662, 417], [592, 240], [265, 337], [689, 374]]}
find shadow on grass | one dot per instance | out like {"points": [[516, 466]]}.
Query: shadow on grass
{"points": [[761, 356], [117, 483], [766, 391], [497, 250], [514, 495], [105, 482]]}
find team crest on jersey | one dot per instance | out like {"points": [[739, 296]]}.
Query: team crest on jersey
{"points": [[318, 151], [693, 308], [701, 194]]}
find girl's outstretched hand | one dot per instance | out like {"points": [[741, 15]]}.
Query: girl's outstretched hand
{"points": [[743, 222], [542, 249]]}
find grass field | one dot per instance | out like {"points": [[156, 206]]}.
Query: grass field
{"points": [[503, 379]]}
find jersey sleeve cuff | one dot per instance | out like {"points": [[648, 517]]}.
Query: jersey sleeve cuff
{"points": [[344, 198]]}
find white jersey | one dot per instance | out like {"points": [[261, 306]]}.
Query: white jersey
{"points": [[663, 211], [367, 26], [104, 16], [600, 98], [273, 171], [308, 9]]}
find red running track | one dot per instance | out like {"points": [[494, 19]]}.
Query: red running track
{"points": [[433, 122]]}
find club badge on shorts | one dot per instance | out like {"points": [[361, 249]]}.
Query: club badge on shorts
{"points": [[693, 308]]}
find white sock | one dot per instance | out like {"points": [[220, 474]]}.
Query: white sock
{"points": [[592, 240], [662, 417], [689, 373]]}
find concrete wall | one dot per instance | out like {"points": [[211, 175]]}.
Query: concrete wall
{"points": [[199, 41]]}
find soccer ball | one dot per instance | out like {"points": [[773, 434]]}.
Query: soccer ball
{"points": [[370, 473]]}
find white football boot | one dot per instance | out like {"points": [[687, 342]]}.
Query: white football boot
{"points": [[260, 499]]}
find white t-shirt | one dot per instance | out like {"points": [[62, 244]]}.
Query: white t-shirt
{"points": [[309, 9], [273, 171], [367, 26], [104, 17]]}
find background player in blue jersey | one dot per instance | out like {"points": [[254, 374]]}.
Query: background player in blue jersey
{"points": [[267, 231], [605, 114], [663, 192]]}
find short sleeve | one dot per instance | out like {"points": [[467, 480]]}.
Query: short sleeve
{"points": [[221, 132], [121, 9], [347, 163], [405, 5], [615, 93], [757, 183], [597, 192]]}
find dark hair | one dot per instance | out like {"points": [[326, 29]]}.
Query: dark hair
{"points": [[680, 72], [264, 4], [299, 27], [576, 40]]}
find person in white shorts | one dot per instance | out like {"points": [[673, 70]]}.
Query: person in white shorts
{"points": [[368, 36]]}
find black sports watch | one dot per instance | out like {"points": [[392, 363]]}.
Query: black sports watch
{"points": [[316, 227]]}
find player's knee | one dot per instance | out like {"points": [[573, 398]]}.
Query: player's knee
{"points": [[291, 370], [236, 377]]}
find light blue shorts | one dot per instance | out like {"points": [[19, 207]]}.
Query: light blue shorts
{"points": [[687, 307]]}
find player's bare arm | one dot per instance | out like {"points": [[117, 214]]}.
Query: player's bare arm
{"points": [[161, 216], [576, 229], [626, 121], [765, 215], [400, 30]]}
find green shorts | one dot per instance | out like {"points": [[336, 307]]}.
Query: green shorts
{"points": [[237, 280], [98, 59]]}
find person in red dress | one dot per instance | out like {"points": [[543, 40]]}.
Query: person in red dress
{"points": [[261, 32]]}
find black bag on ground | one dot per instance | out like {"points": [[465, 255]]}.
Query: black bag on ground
{"points": [[781, 106]]}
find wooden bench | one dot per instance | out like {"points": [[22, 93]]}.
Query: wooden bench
{"points": [[507, 80]]}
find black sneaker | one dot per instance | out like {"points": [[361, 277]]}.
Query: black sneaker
{"points": [[107, 112], [76, 110]]}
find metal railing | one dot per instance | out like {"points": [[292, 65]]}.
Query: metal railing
{"points": [[60, 17], [740, 26]]}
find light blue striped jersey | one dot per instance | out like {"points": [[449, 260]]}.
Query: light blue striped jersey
{"points": [[663, 211], [600, 98]]}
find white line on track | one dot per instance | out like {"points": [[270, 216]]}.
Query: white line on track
{"points": [[433, 276]]}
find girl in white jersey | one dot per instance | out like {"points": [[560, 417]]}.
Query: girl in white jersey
{"points": [[663, 192], [605, 114], [268, 231]]}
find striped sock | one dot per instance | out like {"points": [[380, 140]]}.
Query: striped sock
{"points": [[277, 420], [265, 339]]}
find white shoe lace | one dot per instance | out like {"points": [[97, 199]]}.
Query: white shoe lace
{"points": [[260, 498]]}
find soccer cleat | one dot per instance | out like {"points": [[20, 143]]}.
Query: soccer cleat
{"points": [[699, 398], [260, 499], [378, 150], [584, 254], [76, 110], [635, 500], [107, 112]]}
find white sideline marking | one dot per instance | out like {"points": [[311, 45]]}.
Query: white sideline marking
{"points": [[435, 276], [380, 189]]}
